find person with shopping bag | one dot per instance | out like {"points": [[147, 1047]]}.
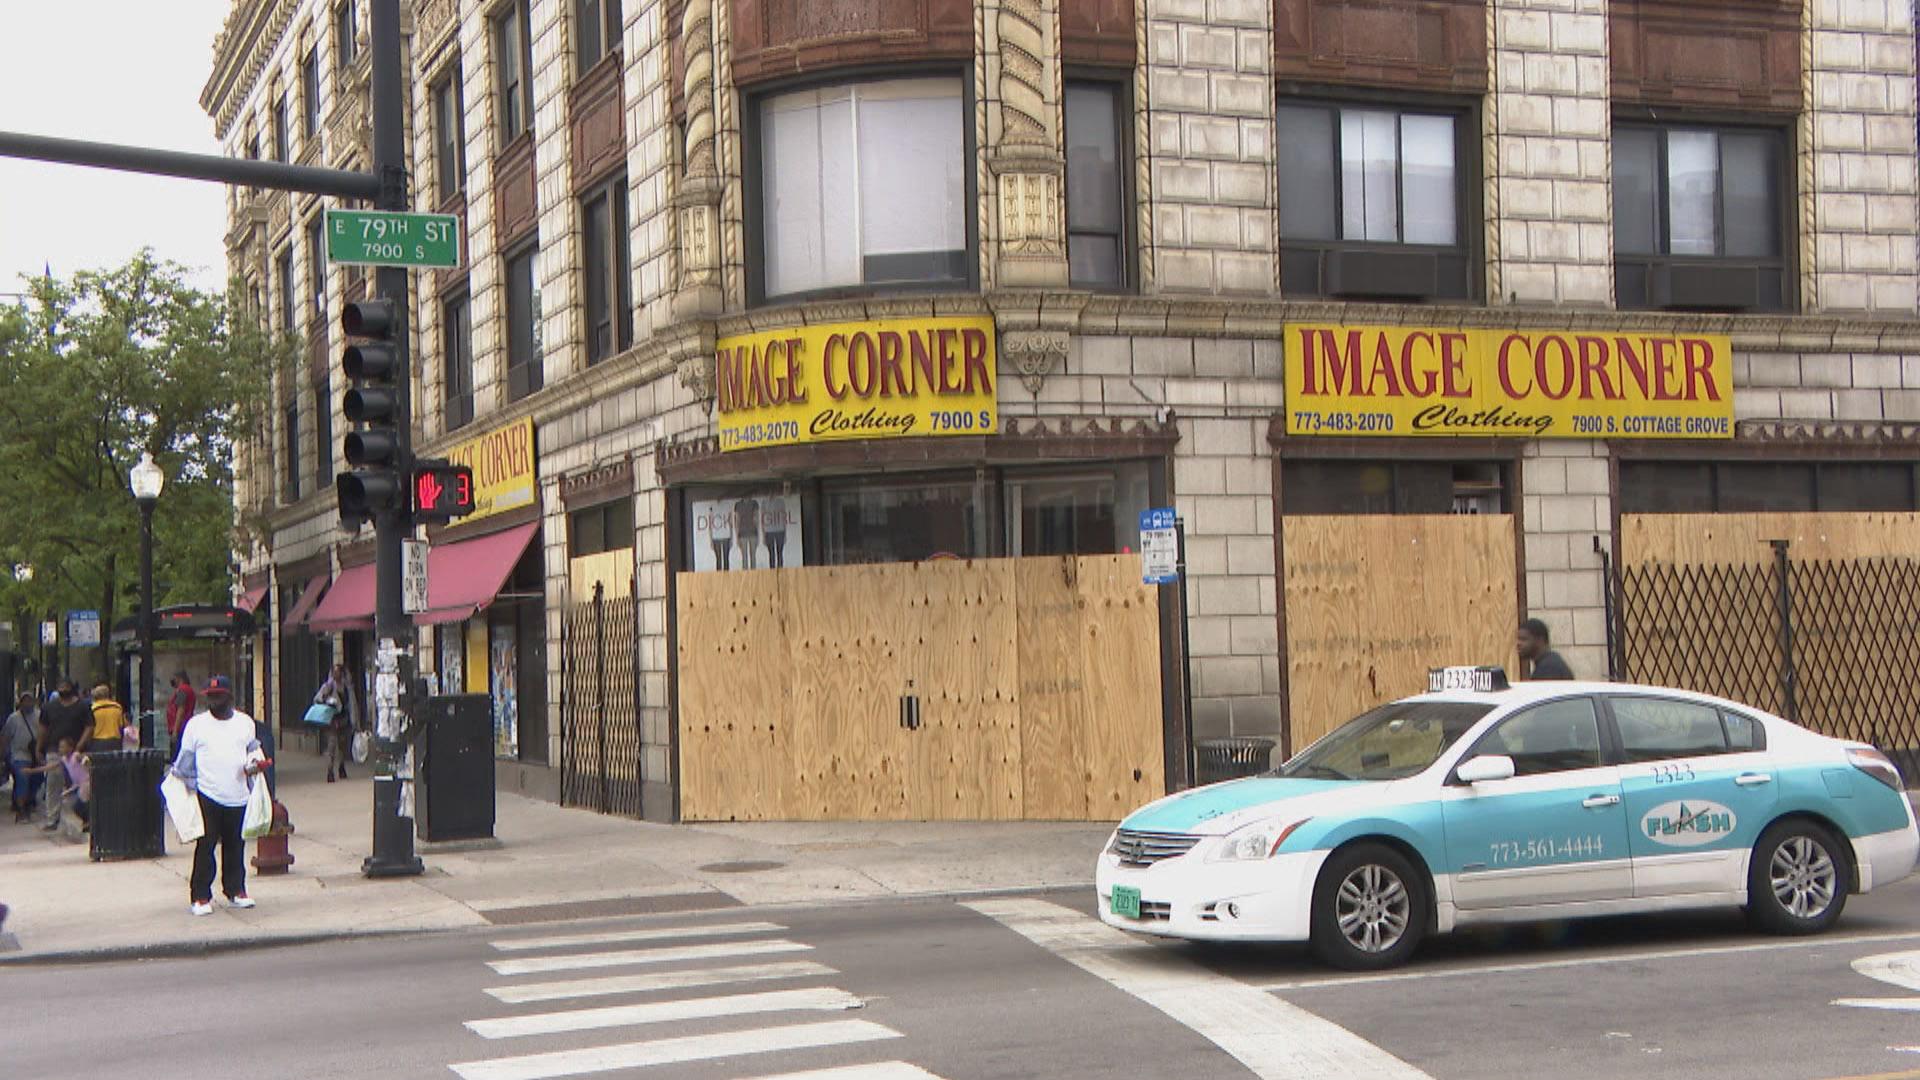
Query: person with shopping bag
{"points": [[220, 758], [333, 706]]}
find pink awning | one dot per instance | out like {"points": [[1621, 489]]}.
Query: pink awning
{"points": [[308, 597], [462, 578], [250, 600], [349, 604]]}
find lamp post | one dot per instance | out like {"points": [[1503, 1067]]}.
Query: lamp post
{"points": [[146, 479]]}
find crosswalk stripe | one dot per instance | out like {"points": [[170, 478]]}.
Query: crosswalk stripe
{"points": [[575, 961], [879, 1070], [1275, 1039], [822, 999], [675, 1051], [527, 993], [620, 937]]}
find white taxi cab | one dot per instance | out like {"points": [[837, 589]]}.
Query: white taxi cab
{"points": [[1482, 802]]}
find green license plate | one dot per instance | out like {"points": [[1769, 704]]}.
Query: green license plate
{"points": [[1126, 901]]}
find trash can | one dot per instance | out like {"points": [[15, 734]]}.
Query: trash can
{"points": [[1232, 759], [454, 789], [126, 811]]}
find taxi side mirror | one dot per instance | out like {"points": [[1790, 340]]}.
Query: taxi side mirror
{"points": [[1485, 767]]}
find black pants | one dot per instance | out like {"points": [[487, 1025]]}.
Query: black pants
{"points": [[223, 828]]}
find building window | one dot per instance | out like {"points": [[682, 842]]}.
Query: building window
{"points": [[1698, 218], [317, 271], [290, 464], [1092, 511], [513, 60], [905, 519], [864, 185], [609, 284], [343, 41], [322, 432], [283, 280], [1392, 487], [599, 24], [597, 529], [1096, 186], [456, 335], [282, 137], [523, 345], [450, 134], [1706, 487], [1371, 203], [310, 93]]}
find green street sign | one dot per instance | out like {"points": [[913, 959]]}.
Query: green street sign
{"points": [[388, 238]]}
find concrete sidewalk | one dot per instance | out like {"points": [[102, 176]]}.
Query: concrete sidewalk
{"points": [[550, 864]]}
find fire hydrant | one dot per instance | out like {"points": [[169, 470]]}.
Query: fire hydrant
{"points": [[270, 854]]}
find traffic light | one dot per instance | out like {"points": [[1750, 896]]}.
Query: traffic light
{"points": [[373, 402], [442, 491]]}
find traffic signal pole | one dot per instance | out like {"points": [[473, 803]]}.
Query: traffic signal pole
{"points": [[393, 854]]}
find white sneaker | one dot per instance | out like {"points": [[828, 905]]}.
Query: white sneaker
{"points": [[241, 901], [202, 909]]}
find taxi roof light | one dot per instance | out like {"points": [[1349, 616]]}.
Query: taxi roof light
{"points": [[1485, 679]]}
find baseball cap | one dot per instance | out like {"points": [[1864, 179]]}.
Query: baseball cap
{"points": [[218, 684]]}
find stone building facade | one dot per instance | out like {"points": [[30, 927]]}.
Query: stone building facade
{"points": [[1151, 195]]}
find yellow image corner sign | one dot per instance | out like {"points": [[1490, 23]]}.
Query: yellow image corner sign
{"points": [[1397, 380], [503, 467], [883, 379]]}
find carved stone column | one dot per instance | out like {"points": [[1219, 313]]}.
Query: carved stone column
{"points": [[697, 204], [1026, 158]]}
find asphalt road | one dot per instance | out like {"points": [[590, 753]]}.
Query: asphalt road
{"points": [[1029, 987]]}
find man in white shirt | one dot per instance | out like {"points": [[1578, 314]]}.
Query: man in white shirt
{"points": [[219, 754]]}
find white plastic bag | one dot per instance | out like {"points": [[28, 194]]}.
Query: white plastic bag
{"points": [[183, 808], [259, 811]]}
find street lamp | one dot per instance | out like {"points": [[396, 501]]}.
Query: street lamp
{"points": [[146, 479]]}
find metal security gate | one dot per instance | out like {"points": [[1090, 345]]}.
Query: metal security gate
{"points": [[600, 705], [1832, 644]]}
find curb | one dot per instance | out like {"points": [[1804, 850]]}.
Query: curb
{"points": [[178, 950]]}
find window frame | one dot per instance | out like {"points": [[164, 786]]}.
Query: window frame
{"points": [[1785, 227], [1468, 182], [1119, 84], [456, 361], [322, 430], [617, 291], [512, 100], [1629, 487], [310, 92], [615, 511], [450, 90], [283, 279], [344, 51], [754, 190], [1610, 721], [1604, 750], [535, 378], [317, 270], [282, 130], [290, 446], [608, 24]]}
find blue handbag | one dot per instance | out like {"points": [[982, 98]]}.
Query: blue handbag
{"points": [[320, 713]]}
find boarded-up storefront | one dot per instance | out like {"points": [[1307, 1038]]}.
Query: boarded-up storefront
{"points": [[943, 690], [1374, 601]]}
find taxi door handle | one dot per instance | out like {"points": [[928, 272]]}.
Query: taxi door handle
{"points": [[1753, 779], [1595, 802]]}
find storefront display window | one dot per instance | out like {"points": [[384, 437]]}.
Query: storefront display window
{"points": [[869, 521], [747, 530], [1392, 487], [1081, 513]]}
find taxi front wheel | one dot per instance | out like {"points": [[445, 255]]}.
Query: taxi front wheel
{"points": [[1370, 908], [1798, 880]]}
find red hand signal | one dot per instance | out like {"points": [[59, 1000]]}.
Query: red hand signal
{"points": [[427, 491]]}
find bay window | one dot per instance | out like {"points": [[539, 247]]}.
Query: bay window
{"points": [[864, 185]]}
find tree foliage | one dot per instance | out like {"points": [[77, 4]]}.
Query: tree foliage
{"points": [[94, 370]]}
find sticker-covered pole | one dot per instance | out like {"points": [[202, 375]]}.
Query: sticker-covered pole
{"points": [[393, 854]]}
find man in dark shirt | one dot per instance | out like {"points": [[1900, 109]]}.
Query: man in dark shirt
{"points": [[1533, 643], [67, 717]]}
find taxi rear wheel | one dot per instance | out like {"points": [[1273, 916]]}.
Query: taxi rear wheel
{"points": [[1798, 880], [1370, 908]]}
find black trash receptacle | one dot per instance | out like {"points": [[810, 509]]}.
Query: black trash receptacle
{"points": [[1232, 759], [454, 788], [128, 817]]}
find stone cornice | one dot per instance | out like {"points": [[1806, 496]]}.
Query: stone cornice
{"points": [[253, 30]]}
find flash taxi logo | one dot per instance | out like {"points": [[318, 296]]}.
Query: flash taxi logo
{"points": [[1688, 824]]}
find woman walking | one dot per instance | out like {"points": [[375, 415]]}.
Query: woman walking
{"points": [[337, 692]]}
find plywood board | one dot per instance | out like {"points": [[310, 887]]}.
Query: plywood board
{"points": [[1374, 602], [1050, 694], [1119, 635], [968, 742], [734, 677], [1742, 539]]}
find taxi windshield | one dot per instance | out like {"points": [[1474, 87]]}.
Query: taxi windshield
{"points": [[1391, 742]]}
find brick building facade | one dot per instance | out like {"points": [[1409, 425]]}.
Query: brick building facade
{"points": [[1143, 195]]}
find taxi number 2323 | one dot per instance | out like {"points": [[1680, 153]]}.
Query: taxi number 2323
{"points": [[1545, 849]]}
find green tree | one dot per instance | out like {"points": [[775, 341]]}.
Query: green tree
{"points": [[93, 371]]}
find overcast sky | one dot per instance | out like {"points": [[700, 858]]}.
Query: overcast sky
{"points": [[126, 71]]}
